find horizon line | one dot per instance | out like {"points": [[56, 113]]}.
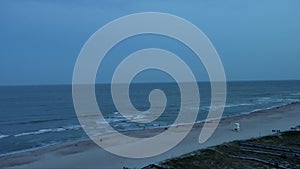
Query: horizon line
{"points": [[165, 82]]}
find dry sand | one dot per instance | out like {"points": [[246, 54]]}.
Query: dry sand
{"points": [[85, 154]]}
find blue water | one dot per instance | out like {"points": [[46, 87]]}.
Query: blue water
{"points": [[37, 116]]}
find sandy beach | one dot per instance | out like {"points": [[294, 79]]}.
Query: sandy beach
{"points": [[86, 154]]}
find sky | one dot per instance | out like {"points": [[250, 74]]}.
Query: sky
{"points": [[40, 40]]}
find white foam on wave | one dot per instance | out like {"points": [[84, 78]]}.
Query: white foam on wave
{"points": [[263, 100], [112, 120], [287, 100], [119, 117], [42, 131], [237, 105], [266, 100], [3, 136], [73, 127], [226, 106], [295, 94]]}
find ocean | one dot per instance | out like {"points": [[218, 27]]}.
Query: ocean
{"points": [[37, 116]]}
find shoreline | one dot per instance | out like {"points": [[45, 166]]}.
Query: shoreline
{"points": [[137, 130], [86, 147]]}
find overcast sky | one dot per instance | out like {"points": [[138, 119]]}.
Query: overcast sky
{"points": [[40, 39]]}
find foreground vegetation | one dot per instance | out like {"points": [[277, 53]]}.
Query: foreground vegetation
{"points": [[281, 150]]}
